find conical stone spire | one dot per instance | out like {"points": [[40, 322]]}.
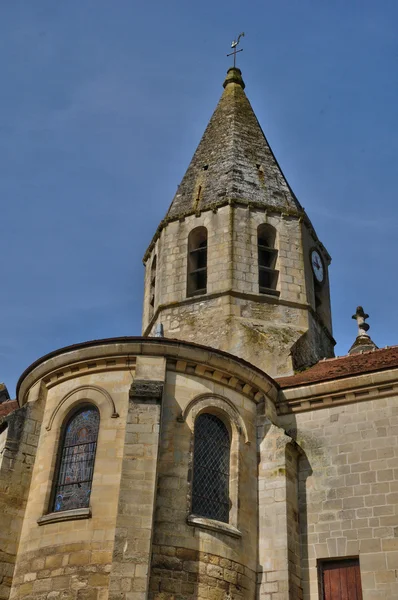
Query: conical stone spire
{"points": [[230, 265], [233, 161]]}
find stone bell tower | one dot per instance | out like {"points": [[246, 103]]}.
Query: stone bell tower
{"points": [[236, 263]]}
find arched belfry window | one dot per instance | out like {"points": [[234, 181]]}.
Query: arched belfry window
{"points": [[267, 255], [210, 487], [152, 287], [76, 460], [197, 262]]}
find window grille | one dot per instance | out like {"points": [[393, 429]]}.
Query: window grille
{"points": [[76, 462], [197, 262], [210, 489], [267, 255]]}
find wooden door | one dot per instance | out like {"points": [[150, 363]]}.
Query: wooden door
{"points": [[340, 580]]}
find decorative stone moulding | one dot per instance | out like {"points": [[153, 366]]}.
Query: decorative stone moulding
{"points": [[215, 206], [232, 419], [204, 401], [301, 399], [213, 525], [142, 390], [119, 354], [272, 297], [88, 366], [65, 515], [207, 372], [85, 392]]}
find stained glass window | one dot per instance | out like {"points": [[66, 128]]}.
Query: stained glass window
{"points": [[210, 488], [76, 465]]}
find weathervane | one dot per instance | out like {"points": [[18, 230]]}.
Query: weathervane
{"points": [[234, 46]]}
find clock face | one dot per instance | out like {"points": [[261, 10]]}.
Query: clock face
{"points": [[317, 266]]}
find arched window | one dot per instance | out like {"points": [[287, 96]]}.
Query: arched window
{"points": [[197, 262], [76, 460], [210, 487], [267, 255], [152, 287]]}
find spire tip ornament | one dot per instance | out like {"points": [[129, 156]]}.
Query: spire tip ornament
{"points": [[360, 317], [363, 342]]}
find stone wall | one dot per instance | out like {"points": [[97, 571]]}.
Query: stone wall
{"points": [[189, 559], [233, 315], [73, 558], [187, 573], [304, 487], [138, 539], [279, 570], [134, 524], [309, 242], [348, 491], [19, 444], [232, 255]]}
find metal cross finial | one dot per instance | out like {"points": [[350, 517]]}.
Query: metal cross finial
{"points": [[360, 317], [234, 47]]}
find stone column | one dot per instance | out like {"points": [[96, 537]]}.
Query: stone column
{"points": [[279, 549], [134, 526]]}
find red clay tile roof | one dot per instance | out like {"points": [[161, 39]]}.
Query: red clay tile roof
{"points": [[7, 407], [344, 366]]}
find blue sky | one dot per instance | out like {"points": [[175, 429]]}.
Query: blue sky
{"points": [[101, 107]]}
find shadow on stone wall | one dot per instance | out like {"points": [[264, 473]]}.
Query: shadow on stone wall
{"points": [[304, 471]]}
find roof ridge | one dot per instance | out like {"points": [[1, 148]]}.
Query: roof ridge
{"points": [[349, 365], [322, 360]]}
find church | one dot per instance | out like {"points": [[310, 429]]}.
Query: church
{"points": [[225, 454]]}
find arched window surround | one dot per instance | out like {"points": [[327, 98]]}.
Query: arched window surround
{"points": [[267, 254], [197, 261], [225, 410], [62, 406], [84, 394], [65, 459]]}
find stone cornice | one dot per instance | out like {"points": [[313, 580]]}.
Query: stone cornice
{"points": [[223, 377], [120, 353], [336, 392], [89, 367], [260, 298], [234, 202]]}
